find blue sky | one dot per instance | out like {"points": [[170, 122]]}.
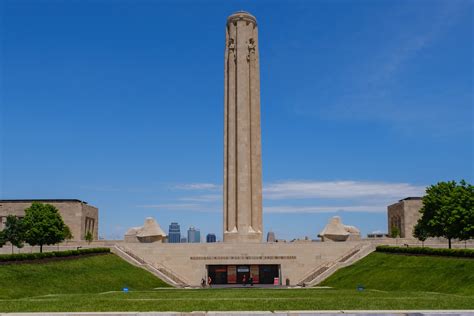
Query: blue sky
{"points": [[120, 104]]}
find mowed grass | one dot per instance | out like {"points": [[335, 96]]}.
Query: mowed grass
{"points": [[92, 274], [239, 299], [76, 288], [394, 272]]}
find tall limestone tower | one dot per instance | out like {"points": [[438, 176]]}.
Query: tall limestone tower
{"points": [[242, 136]]}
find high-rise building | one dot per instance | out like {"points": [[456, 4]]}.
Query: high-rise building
{"points": [[174, 233], [211, 238], [194, 235], [271, 237]]}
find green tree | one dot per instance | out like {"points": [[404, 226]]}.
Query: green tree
{"points": [[448, 211], [394, 232], [67, 233], [14, 231], [420, 233], [44, 225], [89, 237], [3, 240]]}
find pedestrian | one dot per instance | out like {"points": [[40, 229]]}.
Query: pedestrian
{"points": [[203, 283], [244, 280], [209, 281], [251, 280]]}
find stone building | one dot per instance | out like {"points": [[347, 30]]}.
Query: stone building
{"points": [[404, 215], [78, 215]]}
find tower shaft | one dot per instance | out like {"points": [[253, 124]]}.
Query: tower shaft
{"points": [[242, 135]]}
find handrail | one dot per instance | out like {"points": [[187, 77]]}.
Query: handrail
{"points": [[364, 251], [328, 266], [163, 271]]}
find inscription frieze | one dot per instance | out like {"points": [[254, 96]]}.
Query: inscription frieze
{"points": [[243, 258]]}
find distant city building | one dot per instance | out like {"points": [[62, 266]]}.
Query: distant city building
{"points": [[211, 238], [194, 235], [404, 215], [174, 233], [184, 240], [271, 237], [377, 234]]}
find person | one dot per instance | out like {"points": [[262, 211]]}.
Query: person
{"points": [[209, 281], [203, 282], [244, 280], [251, 280]]}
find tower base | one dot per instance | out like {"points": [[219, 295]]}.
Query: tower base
{"points": [[240, 237]]}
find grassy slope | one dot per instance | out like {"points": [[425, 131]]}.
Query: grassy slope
{"points": [[392, 282], [392, 272], [83, 275]]}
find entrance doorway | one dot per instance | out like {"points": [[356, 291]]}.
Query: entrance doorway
{"points": [[234, 274], [218, 274], [268, 273], [243, 273]]}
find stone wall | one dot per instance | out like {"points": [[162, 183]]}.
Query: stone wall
{"points": [[189, 261], [404, 215]]}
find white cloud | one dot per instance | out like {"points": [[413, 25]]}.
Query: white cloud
{"points": [[199, 186], [324, 209], [194, 207], [168, 206], [203, 198], [344, 195], [340, 190]]}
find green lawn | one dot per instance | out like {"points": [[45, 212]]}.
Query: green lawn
{"points": [[94, 283], [93, 274], [394, 272]]}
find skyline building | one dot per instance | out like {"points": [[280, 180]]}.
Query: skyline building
{"points": [[194, 235], [271, 237], [174, 233], [211, 238]]}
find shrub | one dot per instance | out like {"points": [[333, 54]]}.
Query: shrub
{"points": [[466, 253], [52, 254]]}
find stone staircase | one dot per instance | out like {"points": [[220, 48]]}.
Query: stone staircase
{"points": [[160, 271], [325, 270]]}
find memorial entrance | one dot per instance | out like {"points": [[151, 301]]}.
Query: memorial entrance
{"points": [[236, 274]]}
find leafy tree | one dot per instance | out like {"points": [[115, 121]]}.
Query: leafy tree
{"points": [[3, 240], [89, 237], [67, 233], [14, 231], [420, 233], [44, 225], [394, 232], [448, 211]]}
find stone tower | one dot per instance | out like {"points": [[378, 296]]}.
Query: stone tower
{"points": [[242, 137]]}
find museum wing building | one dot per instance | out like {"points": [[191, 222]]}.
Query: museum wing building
{"points": [[78, 215]]}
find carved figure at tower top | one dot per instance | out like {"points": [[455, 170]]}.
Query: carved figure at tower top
{"points": [[242, 136]]}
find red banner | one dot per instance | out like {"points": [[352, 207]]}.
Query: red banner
{"points": [[231, 274]]}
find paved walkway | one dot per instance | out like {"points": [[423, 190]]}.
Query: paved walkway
{"points": [[263, 313]]}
